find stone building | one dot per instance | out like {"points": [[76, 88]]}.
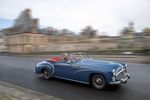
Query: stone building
{"points": [[23, 36], [131, 39], [79, 43], [26, 43], [2, 43]]}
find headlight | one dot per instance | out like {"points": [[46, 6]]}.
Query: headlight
{"points": [[114, 72], [125, 67]]}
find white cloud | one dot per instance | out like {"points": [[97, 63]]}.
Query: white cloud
{"points": [[104, 15]]}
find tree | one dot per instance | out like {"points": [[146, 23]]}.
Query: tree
{"points": [[88, 31], [125, 31], [66, 32]]}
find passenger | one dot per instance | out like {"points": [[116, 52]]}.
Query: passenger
{"points": [[65, 57]]}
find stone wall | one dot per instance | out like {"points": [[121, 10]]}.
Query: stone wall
{"points": [[25, 42], [78, 46]]}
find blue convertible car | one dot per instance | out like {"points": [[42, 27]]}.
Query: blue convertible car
{"points": [[79, 67]]}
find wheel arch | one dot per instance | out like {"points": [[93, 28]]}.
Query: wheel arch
{"points": [[49, 67], [96, 73], [43, 69]]}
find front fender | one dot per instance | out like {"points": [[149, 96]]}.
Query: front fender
{"points": [[105, 74], [86, 74]]}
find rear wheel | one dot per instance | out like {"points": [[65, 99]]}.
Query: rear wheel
{"points": [[98, 81], [46, 74]]}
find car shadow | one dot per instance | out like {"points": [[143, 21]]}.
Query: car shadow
{"points": [[61, 82]]}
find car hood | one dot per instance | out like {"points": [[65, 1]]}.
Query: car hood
{"points": [[102, 64]]}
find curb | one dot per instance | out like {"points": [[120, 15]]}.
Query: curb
{"points": [[10, 91]]}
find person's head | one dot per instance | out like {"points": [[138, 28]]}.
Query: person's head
{"points": [[65, 55]]}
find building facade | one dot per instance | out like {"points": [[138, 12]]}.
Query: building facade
{"points": [[26, 43], [26, 37], [3, 46], [59, 43], [131, 39]]}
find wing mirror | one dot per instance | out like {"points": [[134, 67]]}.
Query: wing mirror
{"points": [[69, 62]]}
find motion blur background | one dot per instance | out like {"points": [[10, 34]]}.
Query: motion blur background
{"points": [[94, 28]]}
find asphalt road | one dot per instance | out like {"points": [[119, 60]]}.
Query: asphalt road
{"points": [[19, 71]]}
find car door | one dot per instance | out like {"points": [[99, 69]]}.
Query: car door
{"points": [[64, 70]]}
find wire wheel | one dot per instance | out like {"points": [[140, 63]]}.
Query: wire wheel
{"points": [[46, 74], [98, 82]]}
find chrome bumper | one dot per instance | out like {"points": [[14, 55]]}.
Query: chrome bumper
{"points": [[122, 81]]}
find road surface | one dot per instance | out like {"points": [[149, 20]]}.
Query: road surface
{"points": [[19, 71]]}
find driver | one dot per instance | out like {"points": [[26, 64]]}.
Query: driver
{"points": [[65, 56]]}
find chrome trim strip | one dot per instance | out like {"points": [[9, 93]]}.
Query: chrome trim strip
{"points": [[80, 71], [71, 80]]}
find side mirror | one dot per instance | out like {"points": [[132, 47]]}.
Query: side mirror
{"points": [[69, 62]]}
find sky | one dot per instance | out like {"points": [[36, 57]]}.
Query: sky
{"points": [[106, 16]]}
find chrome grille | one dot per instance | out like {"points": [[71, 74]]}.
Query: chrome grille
{"points": [[121, 75]]}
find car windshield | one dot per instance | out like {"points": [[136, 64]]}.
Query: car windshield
{"points": [[78, 56]]}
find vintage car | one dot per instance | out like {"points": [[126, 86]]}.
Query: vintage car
{"points": [[79, 67]]}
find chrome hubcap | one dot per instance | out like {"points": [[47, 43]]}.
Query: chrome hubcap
{"points": [[98, 81]]}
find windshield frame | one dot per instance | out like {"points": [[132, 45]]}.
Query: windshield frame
{"points": [[81, 56]]}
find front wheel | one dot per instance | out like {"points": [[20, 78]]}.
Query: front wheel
{"points": [[98, 81], [45, 74]]}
